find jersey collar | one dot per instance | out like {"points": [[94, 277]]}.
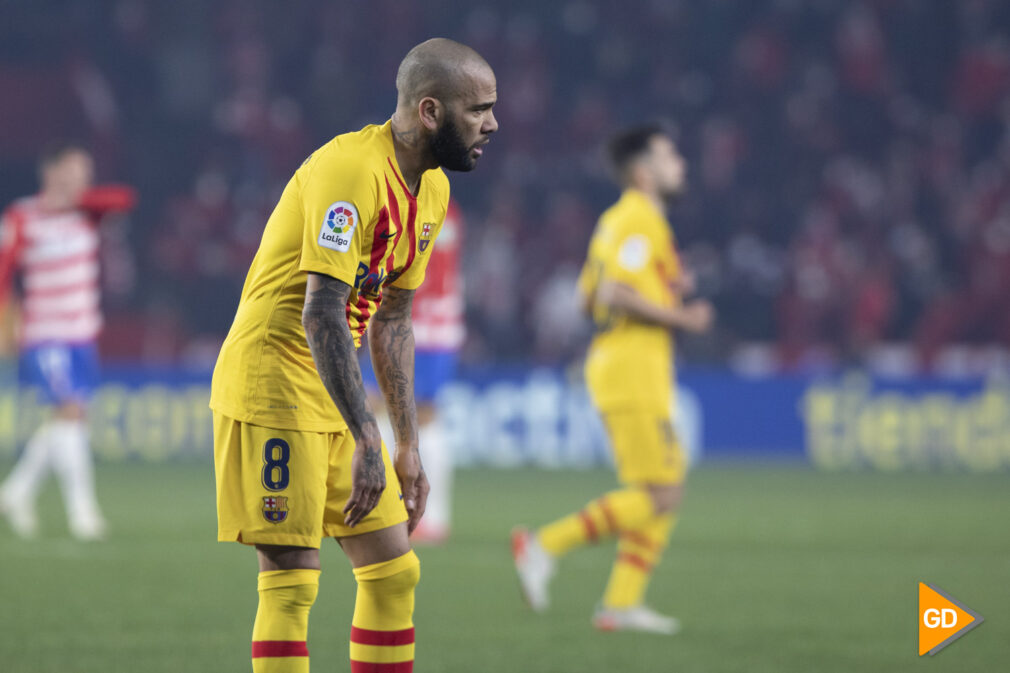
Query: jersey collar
{"points": [[640, 200], [387, 134]]}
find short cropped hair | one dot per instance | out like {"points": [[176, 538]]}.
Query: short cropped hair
{"points": [[55, 151], [629, 144]]}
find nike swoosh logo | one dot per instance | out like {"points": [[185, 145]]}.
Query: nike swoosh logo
{"points": [[401, 496], [387, 236]]}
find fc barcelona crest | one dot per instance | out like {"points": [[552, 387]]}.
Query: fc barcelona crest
{"points": [[425, 240], [275, 508]]}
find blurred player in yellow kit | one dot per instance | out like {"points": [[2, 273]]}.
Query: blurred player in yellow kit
{"points": [[297, 452], [632, 284]]}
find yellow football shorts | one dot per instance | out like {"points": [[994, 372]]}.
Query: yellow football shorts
{"points": [[289, 487], [645, 447]]}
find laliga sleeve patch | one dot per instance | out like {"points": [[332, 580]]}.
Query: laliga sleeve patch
{"points": [[634, 253], [338, 226]]}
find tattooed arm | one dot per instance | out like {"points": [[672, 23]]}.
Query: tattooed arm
{"points": [[329, 337], [391, 339]]}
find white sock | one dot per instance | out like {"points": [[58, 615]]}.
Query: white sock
{"points": [[73, 466], [437, 460], [22, 485]]}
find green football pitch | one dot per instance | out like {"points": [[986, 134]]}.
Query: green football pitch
{"points": [[772, 568]]}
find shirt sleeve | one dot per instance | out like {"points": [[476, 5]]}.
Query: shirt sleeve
{"points": [[339, 197], [106, 199], [633, 259], [10, 247]]}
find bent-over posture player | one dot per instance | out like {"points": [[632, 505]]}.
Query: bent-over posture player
{"points": [[632, 285], [297, 451]]}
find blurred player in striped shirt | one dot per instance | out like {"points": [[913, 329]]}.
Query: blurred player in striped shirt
{"points": [[52, 240]]}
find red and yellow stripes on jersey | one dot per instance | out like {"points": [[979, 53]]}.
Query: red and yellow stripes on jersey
{"points": [[391, 230]]}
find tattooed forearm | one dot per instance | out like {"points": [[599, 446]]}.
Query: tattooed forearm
{"points": [[391, 339], [329, 337]]}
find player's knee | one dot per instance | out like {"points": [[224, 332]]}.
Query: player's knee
{"points": [[665, 498], [408, 578], [301, 597], [397, 576], [288, 591], [385, 599]]}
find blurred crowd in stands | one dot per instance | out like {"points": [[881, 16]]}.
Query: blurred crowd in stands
{"points": [[849, 160]]}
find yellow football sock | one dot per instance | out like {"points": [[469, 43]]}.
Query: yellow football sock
{"points": [[282, 621], [638, 552], [609, 514], [382, 630]]}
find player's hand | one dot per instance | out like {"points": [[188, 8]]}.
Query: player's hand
{"points": [[697, 316], [368, 481], [413, 485]]}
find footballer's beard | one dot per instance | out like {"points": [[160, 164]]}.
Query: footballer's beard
{"points": [[449, 149]]}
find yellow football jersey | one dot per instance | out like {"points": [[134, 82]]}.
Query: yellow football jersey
{"points": [[346, 213], [630, 364]]}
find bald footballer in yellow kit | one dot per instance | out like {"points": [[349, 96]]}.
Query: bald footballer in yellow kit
{"points": [[297, 451], [632, 286]]}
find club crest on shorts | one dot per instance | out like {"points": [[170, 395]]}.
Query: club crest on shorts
{"points": [[275, 508], [425, 240]]}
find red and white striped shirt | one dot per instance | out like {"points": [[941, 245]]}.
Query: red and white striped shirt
{"points": [[438, 303], [57, 253]]}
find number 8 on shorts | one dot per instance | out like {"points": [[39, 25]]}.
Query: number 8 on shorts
{"points": [[276, 454]]}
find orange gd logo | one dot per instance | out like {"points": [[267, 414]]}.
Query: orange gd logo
{"points": [[942, 620]]}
